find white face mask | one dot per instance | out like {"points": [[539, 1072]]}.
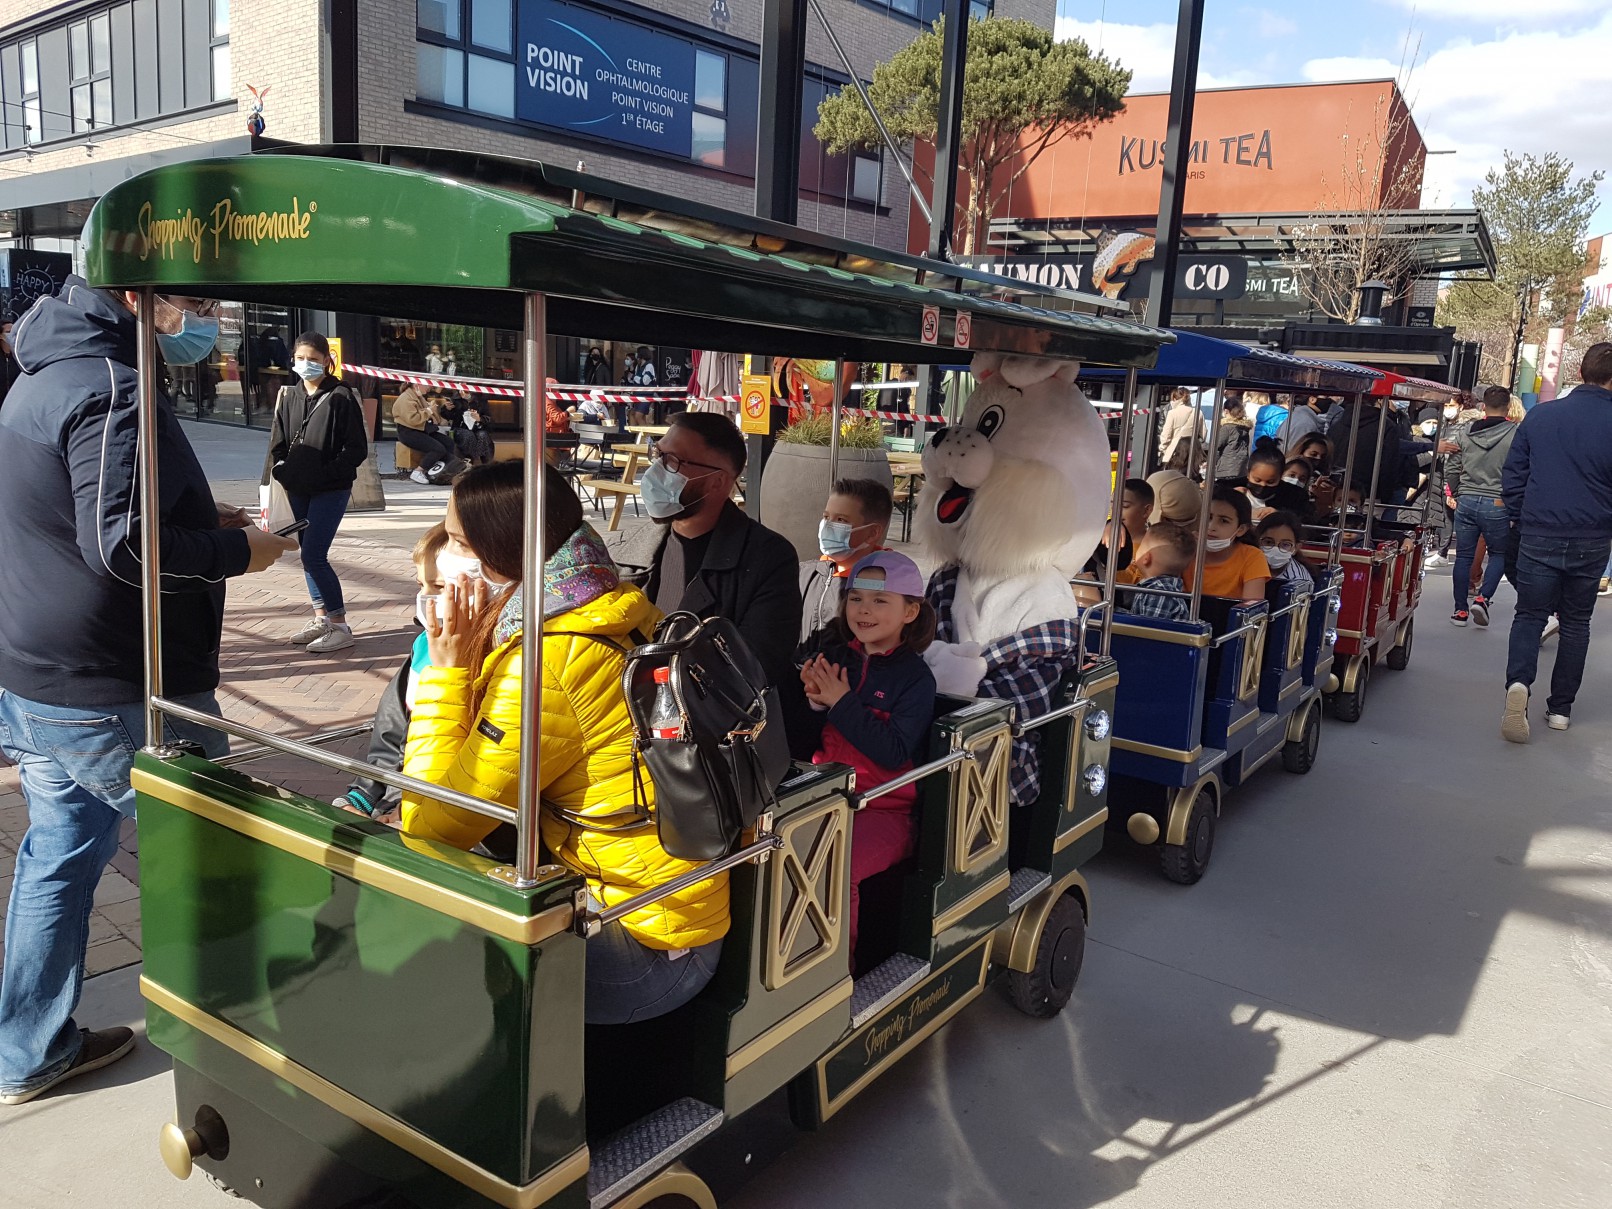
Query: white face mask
{"points": [[1278, 558], [1216, 544], [1295, 480], [450, 565], [425, 608]]}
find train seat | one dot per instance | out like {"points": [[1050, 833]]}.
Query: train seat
{"points": [[1158, 709], [1236, 656]]}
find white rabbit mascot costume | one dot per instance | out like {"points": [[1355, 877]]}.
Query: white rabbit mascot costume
{"points": [[1014, 501]]}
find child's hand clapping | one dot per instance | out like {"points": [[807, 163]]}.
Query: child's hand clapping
{"points": [[825, 682]]}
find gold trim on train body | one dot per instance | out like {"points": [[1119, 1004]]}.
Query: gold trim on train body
{"points": [[478, 1179], [824, 831], [1253, 661], [1178, 754], [1171, 636], [676, 1181], [1098, 688], [1085, 827], [802, 1017], [973, 901], [979, 801], [523, 929], [1181, 803], [1014, 944], [829, 1107], [1298, 633]]}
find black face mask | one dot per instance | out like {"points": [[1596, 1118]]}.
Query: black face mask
{"points": [[1262, 494]]}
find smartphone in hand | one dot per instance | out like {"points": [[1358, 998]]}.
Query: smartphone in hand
{"points": [[291, 530]]}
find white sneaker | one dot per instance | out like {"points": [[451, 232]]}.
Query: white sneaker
{"points": [[1606, 587], [1558, 721], [1435, 560], [1514, 722], [316, 628], [417, 475], [1552, 624], [336, 638]]}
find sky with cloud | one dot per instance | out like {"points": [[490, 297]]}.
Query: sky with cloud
{"points": [[1483, 76]]}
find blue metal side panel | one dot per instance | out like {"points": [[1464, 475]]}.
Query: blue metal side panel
{"points": [[1161, 685], [1275, 676], [1152, 769], [1224, 711], [1323, 621]]}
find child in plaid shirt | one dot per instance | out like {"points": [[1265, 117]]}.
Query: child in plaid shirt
{"points": [[1161, 556]]}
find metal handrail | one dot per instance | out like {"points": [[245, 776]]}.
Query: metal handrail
{"points": [[591, 925], [1304, 599], [1247, 627], [1102, 606], [247, 755], [1063, 711], [960, 756], [357, 768]]}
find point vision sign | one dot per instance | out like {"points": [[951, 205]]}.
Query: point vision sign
{"points": [[581, 71]]}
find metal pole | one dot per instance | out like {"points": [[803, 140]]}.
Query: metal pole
{"points": [[834, 410], [1203, 508], [867, 101], [1172, 187], [528, 843], [1384, 411], [1192, 445], [1116, 505], [783, 68], [1349, 460], [949, 128], [150, 508], [1144, 447]]}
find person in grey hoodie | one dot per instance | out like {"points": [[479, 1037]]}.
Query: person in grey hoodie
{"points": [[1476, 457]]}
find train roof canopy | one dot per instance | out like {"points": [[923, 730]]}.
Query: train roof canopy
{"points": [[334, 232], [1197, 360]]}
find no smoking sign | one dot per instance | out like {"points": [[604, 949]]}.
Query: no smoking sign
{"points": [[931, 328]]}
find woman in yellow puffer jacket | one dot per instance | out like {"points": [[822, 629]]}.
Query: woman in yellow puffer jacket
{"points": [[464, 734]]}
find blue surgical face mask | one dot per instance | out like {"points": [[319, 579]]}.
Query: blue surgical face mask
{"points": [[193, 341], [662, 491], [308, 371], [834, 538]]}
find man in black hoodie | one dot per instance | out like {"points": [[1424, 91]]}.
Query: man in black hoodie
{"points": [[1557, 485], [72, 664]]}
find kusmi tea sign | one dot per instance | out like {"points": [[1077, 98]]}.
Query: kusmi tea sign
{"points": [[193, 234]]}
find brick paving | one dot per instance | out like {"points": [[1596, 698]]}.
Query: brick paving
{"points": [[267, 683]]}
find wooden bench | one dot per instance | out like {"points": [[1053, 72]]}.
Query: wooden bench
{"points": [[636, 456]]}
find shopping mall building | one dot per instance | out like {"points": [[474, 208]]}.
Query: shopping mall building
{"points": [[662, 98]]}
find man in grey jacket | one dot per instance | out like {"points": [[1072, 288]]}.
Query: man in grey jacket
{"points": [[1476, 456]]}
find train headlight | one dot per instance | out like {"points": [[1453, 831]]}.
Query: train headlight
{"points": [[1095, 778], [1332, 638], [1334, 605], [1098, 725]]}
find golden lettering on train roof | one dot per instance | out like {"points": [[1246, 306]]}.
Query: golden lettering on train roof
{"points": [[187, 231]]}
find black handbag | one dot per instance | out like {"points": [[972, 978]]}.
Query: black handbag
{"points": [[731, 753], [303, 471]]}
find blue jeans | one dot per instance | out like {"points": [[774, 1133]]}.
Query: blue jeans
{"points": [[628, 982], [323, 512], [1560, 576], [1477, 516], [75, 766]]}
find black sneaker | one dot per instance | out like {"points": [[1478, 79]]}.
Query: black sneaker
{"points": [[100, 1048], [1480, 611], [1459, 618]]}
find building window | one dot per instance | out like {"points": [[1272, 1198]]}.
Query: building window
{"points": [[865, 178], [32, 118], [710, 123], [89, 69], [219, 48], [927, 12], [465, 54]]}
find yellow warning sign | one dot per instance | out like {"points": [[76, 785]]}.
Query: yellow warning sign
{"points": [[755, 403]]}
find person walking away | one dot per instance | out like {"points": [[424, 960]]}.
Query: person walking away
{"points": [[705, 556], [856, 522], [1557, 484], [415, 420], [1233, 442], [316, 447], [1175, 434], [72, 654], [1269, 414], [1476, 458]]}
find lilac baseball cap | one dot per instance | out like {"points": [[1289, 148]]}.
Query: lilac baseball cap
{"points": [[901, 574]]}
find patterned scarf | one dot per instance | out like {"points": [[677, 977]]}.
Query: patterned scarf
{"points": [[578, 572]]}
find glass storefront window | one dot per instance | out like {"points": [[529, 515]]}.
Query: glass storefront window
{"points": [[489, 24], [240, 379], [710, 139], [438, 17], [439, 74]]}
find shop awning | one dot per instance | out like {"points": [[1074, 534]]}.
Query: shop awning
{"points": [[1195, 360], [337, 233]]}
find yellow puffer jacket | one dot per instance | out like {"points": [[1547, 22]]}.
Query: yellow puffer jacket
{"points": [[586, 765]]}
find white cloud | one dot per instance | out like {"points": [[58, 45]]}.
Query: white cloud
{"points": [[1147, 51], [1506, 13], [1526, 91], [1273, 27]]}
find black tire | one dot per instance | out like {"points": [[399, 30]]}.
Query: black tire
{"points": [[1059, 952], [1400, 655], [1347, 707], [1298, 755], [1186, 863]]}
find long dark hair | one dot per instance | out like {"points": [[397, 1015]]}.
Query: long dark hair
{"points": [[491, 503], [1227, 494]]}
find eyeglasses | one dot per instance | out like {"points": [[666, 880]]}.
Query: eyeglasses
{"points": [[675, 464], [1284, 547]]}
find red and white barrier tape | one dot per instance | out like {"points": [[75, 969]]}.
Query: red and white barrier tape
{"points": [[893, 415]]}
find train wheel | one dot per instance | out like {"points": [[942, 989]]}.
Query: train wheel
{"points": [[1045, 990], [1186, 863], [1347, 707], [1400, 655], [1298, 755]]}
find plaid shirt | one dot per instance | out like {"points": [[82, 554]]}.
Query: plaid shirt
{"points": [[1143, 603], [1024, 668]]}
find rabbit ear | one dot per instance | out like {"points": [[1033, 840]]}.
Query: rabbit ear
{"points": [[985, 364]]}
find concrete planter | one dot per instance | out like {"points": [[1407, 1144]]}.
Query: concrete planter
{"points": [[795, 484]]}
